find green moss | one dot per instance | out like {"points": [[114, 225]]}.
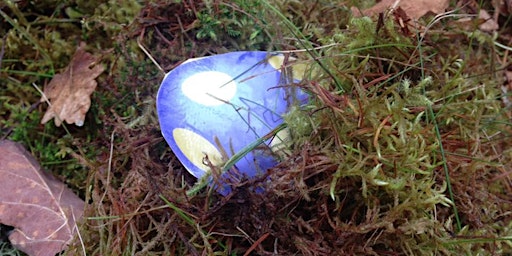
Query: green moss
{"points": [[240, 24]]}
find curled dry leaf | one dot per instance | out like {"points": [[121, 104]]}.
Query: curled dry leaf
{"points": [[42, 210], [70, 91], [415, 9], [506, 89], [488, 25]]}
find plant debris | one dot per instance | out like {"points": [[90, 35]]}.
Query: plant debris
{"points": [[42, 210], [68, 93], [415, 9]]}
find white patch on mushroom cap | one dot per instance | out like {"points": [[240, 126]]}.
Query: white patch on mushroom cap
{"points": [[209, 88]]}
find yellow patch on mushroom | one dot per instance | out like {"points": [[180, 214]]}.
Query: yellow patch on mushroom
{"points": [[298, 69], [195, 148]]}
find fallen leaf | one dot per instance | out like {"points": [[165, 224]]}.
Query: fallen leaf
{"points": [[415, 9], [504, 7], [69, 92], [42, 210], [488, 25], [506, 88]]}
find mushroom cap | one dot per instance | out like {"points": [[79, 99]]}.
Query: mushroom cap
{"points": [[211, 108]]}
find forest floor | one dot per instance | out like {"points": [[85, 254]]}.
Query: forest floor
{"points": [[404, 147]]}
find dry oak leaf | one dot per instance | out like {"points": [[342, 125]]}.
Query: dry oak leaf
{"points": [[42, 210], [70, 92], [413, 8], [506, 88], [488, 25]]}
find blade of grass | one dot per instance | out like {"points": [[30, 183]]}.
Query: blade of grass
{"points": [[237, 157], [190, 221], [431, 115], [306, 44], [478, 240], [181, 213], [30, 38]]}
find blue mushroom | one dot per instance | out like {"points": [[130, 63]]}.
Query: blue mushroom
{"points": [[213, 107]]}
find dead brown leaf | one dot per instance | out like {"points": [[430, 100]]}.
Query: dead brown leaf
{"points": [[488, 25], [503, 6], [42, 210], [506, 88], [415, 9], [69, 92]]}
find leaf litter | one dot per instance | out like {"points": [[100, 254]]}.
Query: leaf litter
{"points": [[414, 8], [69, 92], [42, 210]]}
